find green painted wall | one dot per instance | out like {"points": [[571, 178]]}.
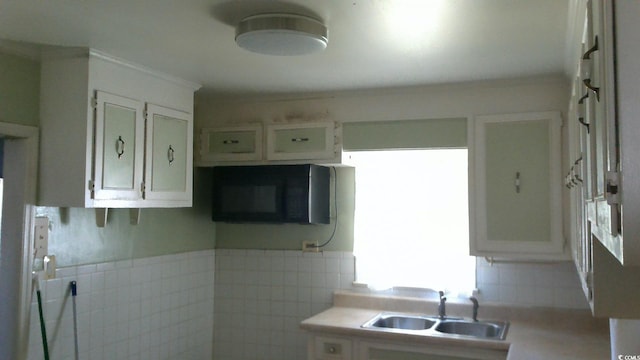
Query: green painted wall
{"points": [[19, 89], [75, 239], [291, 236]]}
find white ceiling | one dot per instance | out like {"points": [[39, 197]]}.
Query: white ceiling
{"points": [[370, 44]]}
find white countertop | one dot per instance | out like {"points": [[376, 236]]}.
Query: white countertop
{"points": [[534, 333]]}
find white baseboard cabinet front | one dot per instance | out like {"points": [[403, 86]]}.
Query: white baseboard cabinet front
{"points": [[330, 347]]}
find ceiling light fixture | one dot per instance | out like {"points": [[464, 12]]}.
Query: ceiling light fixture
{"points": [[281, 34]]}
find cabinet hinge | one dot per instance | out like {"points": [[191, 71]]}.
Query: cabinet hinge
{"points": [[588, 279], [94, 102], [92, 185], [145, 114], [142, 188], [613, 187]]}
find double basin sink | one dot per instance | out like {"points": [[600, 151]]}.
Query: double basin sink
{"points": [[457, 327]]}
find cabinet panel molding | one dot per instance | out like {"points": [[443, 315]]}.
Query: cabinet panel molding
{"points": [[515, 186], [231, 143], [169, 155], [119, 147]]}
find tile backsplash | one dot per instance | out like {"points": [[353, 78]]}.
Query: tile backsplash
{"points": [[163, 307], [525, 284], [262, 296], [150, 308]]}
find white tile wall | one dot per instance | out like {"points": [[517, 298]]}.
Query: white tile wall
{"points": [[151, 308], [550, 285], [262, 296]]}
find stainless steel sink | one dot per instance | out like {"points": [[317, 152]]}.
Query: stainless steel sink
{"points": [[480, 329], [433, 325], [399, 321]]}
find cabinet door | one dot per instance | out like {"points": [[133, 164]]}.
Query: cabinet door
{"points": [[169, 155], [601, 84], [390, 351], [301, 141], [597, 71], [119, 138], [238, 143], [517, 186]]}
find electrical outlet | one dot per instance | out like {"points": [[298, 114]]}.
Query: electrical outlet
{"points": [[310, 246]]}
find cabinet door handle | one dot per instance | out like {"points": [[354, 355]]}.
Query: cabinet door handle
{"points": [[170, 154], [581, 111], [587, 82], [517, 182], [594, 48], [299, 139], [120, 147], [230, 142], [595, 89]]}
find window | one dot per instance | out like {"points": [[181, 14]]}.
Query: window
{"points": [[412, 219]]}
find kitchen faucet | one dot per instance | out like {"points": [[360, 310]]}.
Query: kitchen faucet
{"points": [[442, 311], [475, 308]]}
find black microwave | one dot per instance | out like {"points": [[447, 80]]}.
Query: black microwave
{"points": [[271, 194]]}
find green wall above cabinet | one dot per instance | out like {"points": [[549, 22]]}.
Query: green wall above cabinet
{"points": [[19, 89]]}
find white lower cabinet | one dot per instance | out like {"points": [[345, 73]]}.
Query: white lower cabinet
{"points": [[330, 347]]}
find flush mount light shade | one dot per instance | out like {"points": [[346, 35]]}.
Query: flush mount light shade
{"points": [[281, 34]]}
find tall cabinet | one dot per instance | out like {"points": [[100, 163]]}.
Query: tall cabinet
{"points": [[113, 134], [604, 172]]}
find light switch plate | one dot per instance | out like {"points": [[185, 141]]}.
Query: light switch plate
{"points": [[41, 243]]}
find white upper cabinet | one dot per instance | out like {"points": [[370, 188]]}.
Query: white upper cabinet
{"points": [[231, 143], [607, 108], [603, 176], [287, 143], [515, 186], [113, 134], [301, 141]]}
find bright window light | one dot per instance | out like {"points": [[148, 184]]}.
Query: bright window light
{"points": [[412, 220]]}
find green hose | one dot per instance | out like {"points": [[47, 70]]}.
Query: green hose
{"points": [[43, 330]]}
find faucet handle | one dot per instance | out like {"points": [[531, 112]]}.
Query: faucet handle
{"points": [[475, 307]]}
